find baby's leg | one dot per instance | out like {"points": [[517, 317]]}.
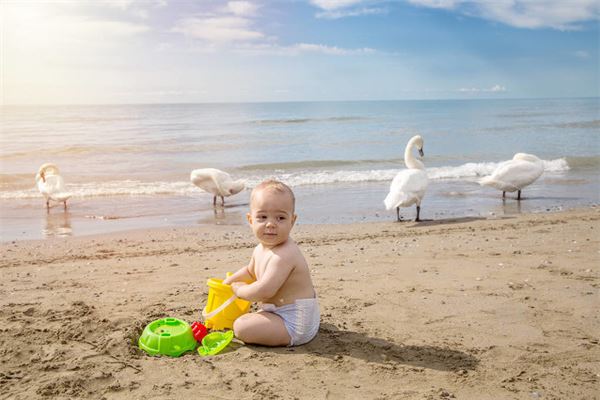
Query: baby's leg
{"points": [[261, 328]]}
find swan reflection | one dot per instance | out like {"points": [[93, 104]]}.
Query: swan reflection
{"points": [[58, 225], [511, 207]]}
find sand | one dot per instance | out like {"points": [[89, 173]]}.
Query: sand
{"points": [[463, 308]]}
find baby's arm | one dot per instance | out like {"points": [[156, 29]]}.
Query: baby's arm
{"points": [[241, 275], [276, 273]]}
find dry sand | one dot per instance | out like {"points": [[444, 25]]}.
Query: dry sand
{"points": [[463, 308]]}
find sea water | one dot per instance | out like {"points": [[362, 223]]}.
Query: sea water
{"points": [[128, 166]]}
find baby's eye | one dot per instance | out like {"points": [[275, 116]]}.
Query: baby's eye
{"points": [[260, 217], [281, 218]]}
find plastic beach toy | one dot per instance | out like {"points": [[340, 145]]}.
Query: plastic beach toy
{"points": [[214, 342], [199, 331], [223, 307], [167, 336]]}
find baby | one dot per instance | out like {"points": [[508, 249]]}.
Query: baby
{"points": [[277, 275]]}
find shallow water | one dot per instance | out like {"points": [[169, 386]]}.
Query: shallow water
{"points": [[129, 166]]}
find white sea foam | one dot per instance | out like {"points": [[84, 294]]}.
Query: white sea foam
{"points": [[469, 171], [558, 165], [112, 188], [477, 170]]}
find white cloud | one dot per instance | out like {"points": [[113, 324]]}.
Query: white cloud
{"points": [[355, 12], [137, 8], [218, 29], [120, 4], [494, 89], [242, 8], [228, 25], [335, 4], [299, 49], [582, 54], [233, 28], [44, 27], [332, 50], [444, 4], [532, 14], [336, 9], [127, 4]]}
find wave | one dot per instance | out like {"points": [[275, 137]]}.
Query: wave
{"points": [[310, 164], [284, 121], [585, 162], [71, 150], [467, 172], [142, 148], [593, 124]]}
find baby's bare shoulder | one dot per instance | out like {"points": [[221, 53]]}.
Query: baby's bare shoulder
{"points": [[289, 253]]}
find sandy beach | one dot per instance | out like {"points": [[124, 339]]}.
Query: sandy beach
{"points": [[466, 308]]}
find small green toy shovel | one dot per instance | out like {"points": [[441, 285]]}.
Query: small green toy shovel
{"points": [[214, 342]]}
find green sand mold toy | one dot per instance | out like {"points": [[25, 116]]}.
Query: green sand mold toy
{"points": [[214, 342], [168, 337]]}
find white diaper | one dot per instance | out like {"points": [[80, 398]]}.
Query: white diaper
{"points": [[301, 319]]}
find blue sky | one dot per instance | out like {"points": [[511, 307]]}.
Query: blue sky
{"points": [[173, 51]]}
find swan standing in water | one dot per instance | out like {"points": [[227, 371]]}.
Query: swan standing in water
{"points": [[515, 174], [51, 184], [409, 185], [217, 182]]}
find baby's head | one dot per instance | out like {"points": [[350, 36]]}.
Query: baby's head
{"points": [[272, 205]]}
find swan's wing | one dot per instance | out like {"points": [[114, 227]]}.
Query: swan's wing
{"points": [[515, 175], [212, 180], [407, 188], [54, 188]]}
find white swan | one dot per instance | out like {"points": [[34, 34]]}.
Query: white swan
{"points": [[515, 174], [217, 182], [51, 184], [409, 185]]}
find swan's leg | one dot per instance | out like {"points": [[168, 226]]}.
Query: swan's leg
{"points": [[222, 200], [398, 214], [214, 200], [503, 195], [418, 212], [65, 205], [519, 195], [48, 204]]}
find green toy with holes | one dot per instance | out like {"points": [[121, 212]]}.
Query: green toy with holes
{"points": [[168, 336]]}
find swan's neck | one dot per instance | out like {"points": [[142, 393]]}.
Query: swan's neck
{"points": [[410, 160]]}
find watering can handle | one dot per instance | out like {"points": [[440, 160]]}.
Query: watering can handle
{"points": [[220, 308]]}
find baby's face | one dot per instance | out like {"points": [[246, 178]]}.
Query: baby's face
{"points": [[271, 217]]}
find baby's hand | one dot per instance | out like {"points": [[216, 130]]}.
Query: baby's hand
{"points": [[236, 285]]}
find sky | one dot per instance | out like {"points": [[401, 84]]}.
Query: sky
{"points": [[195, 51]]}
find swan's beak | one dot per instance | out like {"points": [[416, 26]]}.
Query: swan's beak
{"points": [[421, 153]]}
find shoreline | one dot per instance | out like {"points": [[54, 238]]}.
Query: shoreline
{"points": [[319, 204], [424, 310]]}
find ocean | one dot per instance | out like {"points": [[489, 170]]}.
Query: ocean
{"points": [[128, 166]]}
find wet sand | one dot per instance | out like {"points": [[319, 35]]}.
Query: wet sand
{"points": [[466, 308]]}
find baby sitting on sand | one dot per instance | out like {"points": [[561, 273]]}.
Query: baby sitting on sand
{"points": [[280, 279]]}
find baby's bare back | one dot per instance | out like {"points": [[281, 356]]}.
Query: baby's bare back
{"points": [[284, 257]]}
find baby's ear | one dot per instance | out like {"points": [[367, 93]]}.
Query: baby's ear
{"points": [[294, 217], [249, 218]]}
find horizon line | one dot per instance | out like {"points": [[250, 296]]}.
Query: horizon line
{"points": [[287, 101]]}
